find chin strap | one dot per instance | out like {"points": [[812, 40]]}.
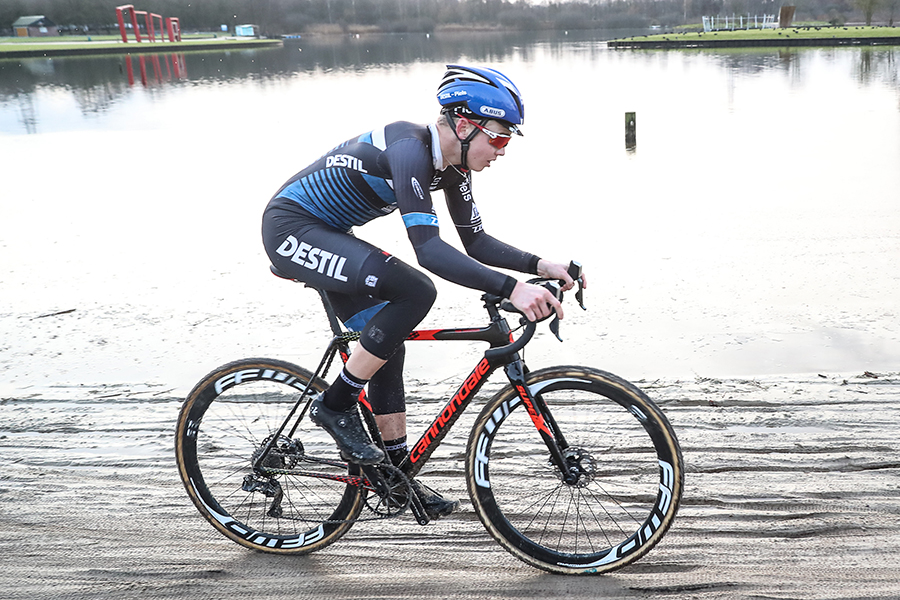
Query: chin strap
{"points": [[463, 143]]}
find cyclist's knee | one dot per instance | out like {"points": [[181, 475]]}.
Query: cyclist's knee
{"points": [[403, 285], [422, 290]]}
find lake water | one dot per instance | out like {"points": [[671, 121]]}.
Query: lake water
{"points": [[754, 229]]}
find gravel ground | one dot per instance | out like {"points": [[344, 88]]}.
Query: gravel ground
{"points": [[792, 491]]}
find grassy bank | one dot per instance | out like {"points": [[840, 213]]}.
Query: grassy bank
{"points": [[78, 45], [791, 36]]}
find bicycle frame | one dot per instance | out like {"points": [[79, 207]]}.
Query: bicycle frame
{"points": [[503, 352], [591, 506], [516, 371]]}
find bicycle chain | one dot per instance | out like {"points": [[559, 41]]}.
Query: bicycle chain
{"points": [[378, 516]]}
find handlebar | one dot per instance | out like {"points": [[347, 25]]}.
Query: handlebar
{"points": [[554, 286], [494, 354]]}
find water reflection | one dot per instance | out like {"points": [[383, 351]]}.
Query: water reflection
{"points": [[878, 67], [164, 68], [870, 64], [98, 82], [759, 211], [306, 55], [23, 105]]}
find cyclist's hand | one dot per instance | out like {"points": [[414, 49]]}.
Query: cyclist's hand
{"points": [[551, 270], [534, 301]]}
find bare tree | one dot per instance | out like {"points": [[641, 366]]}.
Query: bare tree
{"points": [[891, 7], [868, 8]]}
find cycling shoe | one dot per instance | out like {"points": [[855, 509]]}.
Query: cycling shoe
{"points": [[347, 430], [435, 505]]}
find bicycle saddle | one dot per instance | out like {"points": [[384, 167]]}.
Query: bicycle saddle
{"points": [[279, 273]]}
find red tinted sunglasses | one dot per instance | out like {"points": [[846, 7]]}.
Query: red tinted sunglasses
{"points": [[497, 140]]}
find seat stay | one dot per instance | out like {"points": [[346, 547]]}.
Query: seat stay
{"points": [[321, 370], [336, 344]]}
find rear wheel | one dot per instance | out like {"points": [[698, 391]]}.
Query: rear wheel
{"points": [[226, 423], [628, 464]]}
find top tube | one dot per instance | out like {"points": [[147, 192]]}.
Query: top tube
{"points": [[497, 334]]}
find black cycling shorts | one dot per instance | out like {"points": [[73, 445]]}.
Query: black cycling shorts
{"points": [[371, 290]]}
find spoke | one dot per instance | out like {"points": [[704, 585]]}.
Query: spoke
{"points": [[550, 513], [590, 508], [615, 437], [562, 526], [582, 519]]}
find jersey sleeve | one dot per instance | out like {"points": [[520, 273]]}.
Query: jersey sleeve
{"points": [[478, 244], [411, 171]]}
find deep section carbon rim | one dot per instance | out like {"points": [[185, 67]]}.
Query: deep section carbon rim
{"points": [[629, 466], [223, 427]]}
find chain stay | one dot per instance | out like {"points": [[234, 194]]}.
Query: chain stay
{"points": [[360, 481]]}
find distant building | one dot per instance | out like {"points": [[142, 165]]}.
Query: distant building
{"points": [[35, 26], [246, 30]]}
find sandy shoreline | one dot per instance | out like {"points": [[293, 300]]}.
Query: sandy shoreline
{"points": [[792, 491]]}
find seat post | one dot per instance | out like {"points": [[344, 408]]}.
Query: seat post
{"points": [[329, 309]]}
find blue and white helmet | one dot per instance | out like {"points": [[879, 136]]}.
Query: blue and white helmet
{"points": [[482, 92]]}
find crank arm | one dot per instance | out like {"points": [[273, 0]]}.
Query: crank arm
{"points": [[376, 482], [418, 510]]}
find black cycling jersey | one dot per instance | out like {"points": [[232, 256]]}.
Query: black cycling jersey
{"points": [[396, 167]]}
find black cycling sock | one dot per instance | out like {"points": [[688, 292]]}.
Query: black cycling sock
{"points": [[397, 450], [342, 394]]}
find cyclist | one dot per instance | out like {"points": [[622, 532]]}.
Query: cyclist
{"points": [[307, 235]]}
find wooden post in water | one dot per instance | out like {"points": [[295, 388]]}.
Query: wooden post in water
{"points": [[630, 130]]}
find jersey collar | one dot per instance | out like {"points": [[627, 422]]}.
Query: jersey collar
{"points": [[437, 156]]}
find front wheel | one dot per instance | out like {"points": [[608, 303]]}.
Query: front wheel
{"points": [[629, 466], [291, 499]]}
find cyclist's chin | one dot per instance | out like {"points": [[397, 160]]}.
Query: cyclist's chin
{"points": [[480, 165]]}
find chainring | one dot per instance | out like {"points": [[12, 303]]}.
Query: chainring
{"points": [[397, 492]]}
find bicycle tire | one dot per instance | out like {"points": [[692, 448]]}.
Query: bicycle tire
{"points": [[621, 506], [224, 420]]}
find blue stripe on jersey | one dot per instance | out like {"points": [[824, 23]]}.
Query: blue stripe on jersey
{"points": [[339, 192], [324, 201], [413, 219], [381, 187], [331, 195], [359, 320], [354, 201]]}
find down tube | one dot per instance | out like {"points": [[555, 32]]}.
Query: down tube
{"points": [[431, 439]]}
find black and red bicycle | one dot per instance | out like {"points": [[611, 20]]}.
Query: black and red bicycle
{"points": [[571, 469]]}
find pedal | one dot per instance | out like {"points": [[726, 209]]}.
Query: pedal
{"points": [[418, 510]]}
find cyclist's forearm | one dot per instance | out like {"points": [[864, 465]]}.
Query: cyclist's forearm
{"points": [[447, 262], [491, 251]]}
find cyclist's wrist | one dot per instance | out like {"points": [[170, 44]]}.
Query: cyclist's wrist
{"points": [[533, 264], [508, 286]]}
